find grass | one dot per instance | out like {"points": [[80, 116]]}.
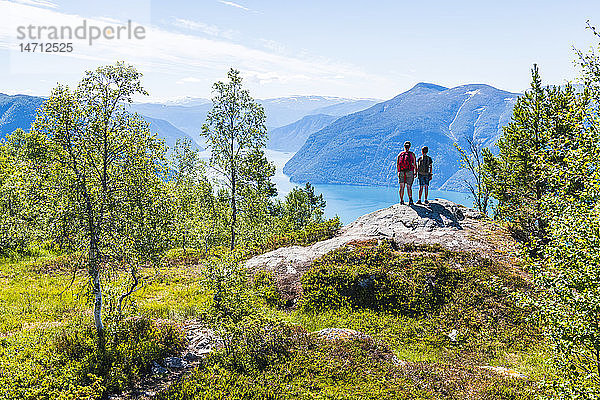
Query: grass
{"points": [[38, 304]]}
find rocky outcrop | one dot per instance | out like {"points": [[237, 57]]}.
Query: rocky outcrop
{"points": [[441, 222], [340, 334], [200, 342]]}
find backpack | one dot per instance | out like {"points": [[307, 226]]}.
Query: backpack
{"points": [[404, 161], [423, 165]]}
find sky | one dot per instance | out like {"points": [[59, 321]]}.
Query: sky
{"points": [[358, 49]]}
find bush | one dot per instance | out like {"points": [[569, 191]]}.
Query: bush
{"points": [[271, 360], [413, 300], [265, 287], [255, 344], [312, 233], [378, 279], [69, 363]]}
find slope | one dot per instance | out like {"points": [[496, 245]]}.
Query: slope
{"points": [[360, 148]]}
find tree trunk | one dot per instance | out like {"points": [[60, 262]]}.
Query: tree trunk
{"points": [[233, 211], [97, 289]]}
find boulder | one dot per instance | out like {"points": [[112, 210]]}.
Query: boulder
{"points": [[441, 222], [158, 370], [175, 362]]}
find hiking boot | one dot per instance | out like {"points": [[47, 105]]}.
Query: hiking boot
{"points": [[426, 201], [418, 201], [410, 203]]}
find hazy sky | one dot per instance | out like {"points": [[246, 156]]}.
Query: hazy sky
{"points": [[340, 48]]}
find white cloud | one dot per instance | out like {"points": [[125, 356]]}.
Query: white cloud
{"points": [[232, 4], [272, 45], [37, 3], [168, 56], [208, 29], [109, 20], [189, 79]]}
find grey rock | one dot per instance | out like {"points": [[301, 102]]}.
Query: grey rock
{"points": [[340, 333], [157, 369], [453, 335], [442, 222], [175, 362], [190, 357]]}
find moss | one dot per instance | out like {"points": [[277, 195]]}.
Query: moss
{"points": [[378, 278]]}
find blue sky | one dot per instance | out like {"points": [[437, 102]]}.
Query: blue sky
{"points": [[373, 49]]}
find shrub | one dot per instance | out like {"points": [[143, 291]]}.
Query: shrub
{"points": [[255, 344], [69, 363], [312, 233], [282, 361], [265, 287], [376, 278], [130, 348]]}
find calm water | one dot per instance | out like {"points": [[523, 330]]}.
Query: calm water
{"points": [[351, 201]]}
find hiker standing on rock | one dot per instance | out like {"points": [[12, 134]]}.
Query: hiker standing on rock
{"points": [[406, 163], [424, 170]]}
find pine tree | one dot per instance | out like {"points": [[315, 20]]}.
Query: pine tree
{"points": [[535, 141]]}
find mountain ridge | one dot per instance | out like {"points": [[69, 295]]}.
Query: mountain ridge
{"points": [[360, 148], [19, 112], [291, 137]]}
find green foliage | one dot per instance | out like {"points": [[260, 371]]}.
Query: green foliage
{"points": [[23, 189], [414, 300], [278, 361], [67, 363], [312, 233], [566, 270], [236, 133], [107, 170], [193, 202], [265, 286], [302, 207], [255, 344], [227, 279], [472, 160], [270, 360], [376, 279], [568, 278], [540, 137]]}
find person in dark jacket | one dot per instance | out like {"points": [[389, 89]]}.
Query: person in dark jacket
{"points": [[424, 172]]}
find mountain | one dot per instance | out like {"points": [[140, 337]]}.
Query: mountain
{"points": [[188, 114], [168, 132], [291, 137], [282, 111], [361, 148], [189, 119], [17, 111], [346, 107]]}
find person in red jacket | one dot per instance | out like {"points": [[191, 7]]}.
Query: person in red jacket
{"points": [[406, 164]]}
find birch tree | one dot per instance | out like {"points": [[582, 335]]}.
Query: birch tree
{"points": [[235, 131], [108, 168]]}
